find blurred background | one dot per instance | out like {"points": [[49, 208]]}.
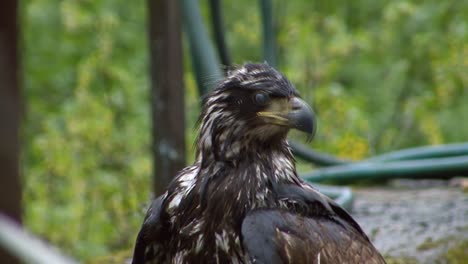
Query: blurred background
{"points": [[381, 75]]}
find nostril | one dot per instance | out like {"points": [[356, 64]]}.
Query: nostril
{"points": [[296, 104]]}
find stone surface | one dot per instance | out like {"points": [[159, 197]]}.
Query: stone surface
{"points": [[417, 220]]}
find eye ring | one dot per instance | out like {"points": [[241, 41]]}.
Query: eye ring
{"points": [[261, 98]]}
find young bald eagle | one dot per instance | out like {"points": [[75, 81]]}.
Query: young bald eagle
{"points": [[242, 200]]}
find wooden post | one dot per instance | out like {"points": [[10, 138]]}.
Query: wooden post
{"points": [[10, 190], [166, 90]]}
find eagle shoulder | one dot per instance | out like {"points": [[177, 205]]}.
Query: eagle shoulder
{"points": [[150, 232], [155, 230], [307, 228]]}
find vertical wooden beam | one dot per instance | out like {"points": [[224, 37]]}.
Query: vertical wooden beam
{"points": [[10, 194], [166, 90], [10, 189]]}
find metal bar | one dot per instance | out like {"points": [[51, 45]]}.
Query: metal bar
{"points": [[218, 32], [27, 248], [204, 60], [269, 36], [425, 152], [317, 158], [342, 195], [416, 169]]}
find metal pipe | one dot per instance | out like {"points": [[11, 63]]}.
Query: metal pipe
{"points": [[204, 60], [342, 195], [415, 169], [26, 247], [269, 36], [217, 24], [317, 158], [425, 152]]}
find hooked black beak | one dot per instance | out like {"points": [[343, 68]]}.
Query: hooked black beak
{"points": [[292, 113], [301, 116]]}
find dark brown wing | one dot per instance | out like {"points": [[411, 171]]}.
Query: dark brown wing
{"points": [[146, 247], [275, 236]]}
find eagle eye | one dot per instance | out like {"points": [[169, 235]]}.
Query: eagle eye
{"points": [[261, 98]]}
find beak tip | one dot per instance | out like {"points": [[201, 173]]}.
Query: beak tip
{"points": [[306, 124], [303, 118]]}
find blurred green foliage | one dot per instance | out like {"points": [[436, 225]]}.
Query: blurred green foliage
{"points": [[86, 152], [381, 75]]}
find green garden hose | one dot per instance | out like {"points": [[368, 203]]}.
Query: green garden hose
{"points": [[443, 168]]}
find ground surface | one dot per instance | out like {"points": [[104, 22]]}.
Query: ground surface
{"points": [[418, 221]]}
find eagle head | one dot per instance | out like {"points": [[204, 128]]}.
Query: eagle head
{"points": [[254, 106]]}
